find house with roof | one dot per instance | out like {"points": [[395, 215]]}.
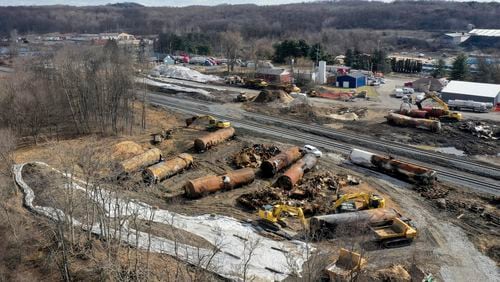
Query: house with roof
{"points": [[274, 75], [427, 84], [465, 90], [351, 80]]}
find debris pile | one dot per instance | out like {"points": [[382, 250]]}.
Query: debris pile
{"points": [[315, 195], [259, 198], [252, 156], [432, 191], [185, 73], [267, 96], [312, 186], [360, 112], [479, 129]]}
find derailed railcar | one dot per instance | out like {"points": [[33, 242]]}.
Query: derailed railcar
{"points": [[402, 170]]}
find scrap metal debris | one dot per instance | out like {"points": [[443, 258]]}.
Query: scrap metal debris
{"points": [[253, 156], [479, 129], [314, 195]]}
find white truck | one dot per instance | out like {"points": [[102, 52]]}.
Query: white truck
{"points": [[470, 105]]}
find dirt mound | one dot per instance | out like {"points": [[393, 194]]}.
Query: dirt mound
{"points": [[254, 155], [393, 273], [267, 96], [125, 150]]}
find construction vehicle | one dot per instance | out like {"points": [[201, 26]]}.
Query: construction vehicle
{"points": [[442, 113], [233, 80], [242, 97], [256, 83], [288, 88], [347, 202], [271, 216], [212, 123], [395, 233], [347, 264]]}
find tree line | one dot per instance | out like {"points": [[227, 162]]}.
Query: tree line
{"points": [[277, 21]]}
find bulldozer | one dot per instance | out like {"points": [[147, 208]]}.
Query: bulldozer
{"points": [[442, 113], [212, 123], [347, 202], [271, 216]]}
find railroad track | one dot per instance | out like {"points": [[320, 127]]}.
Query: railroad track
{"points": [[476, 182], [485, 170]]}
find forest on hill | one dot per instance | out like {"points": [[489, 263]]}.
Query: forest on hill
{"points": [[252, 21]]}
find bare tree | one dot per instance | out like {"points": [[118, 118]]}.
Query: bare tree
{"points": [[232, 42]]}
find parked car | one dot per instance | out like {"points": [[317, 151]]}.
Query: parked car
{"points": [[399, 93], [408, 90], [309, 149]]}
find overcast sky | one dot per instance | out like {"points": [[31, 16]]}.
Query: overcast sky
{"points": [[158, 2]]}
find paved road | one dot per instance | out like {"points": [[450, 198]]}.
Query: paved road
{"points": [[285, 129]]}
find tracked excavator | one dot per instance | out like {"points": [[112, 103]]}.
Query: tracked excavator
{"points": [[347, 202], [442, 113], [271, 216], [212, 123]]}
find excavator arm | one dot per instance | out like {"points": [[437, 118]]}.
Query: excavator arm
{"points": [[369, 200]]}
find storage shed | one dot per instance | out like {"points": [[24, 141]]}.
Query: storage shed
{"points": [[464, 90], [274, 75], [353, 80]]}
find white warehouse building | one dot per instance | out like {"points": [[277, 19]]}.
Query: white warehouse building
{"points": [[465, 90]]}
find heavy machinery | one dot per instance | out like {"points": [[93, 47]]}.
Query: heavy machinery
{"points": [[395, 233], [271, 216], [347, 202], [212, 123], [242, 97], [442, 113], [256, 83], [288, 88]]}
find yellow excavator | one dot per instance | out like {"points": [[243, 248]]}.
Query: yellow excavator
{"points": [[442, 113], [347, 202], [212, 123], [271, 216]]}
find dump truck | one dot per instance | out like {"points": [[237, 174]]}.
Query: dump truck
{"points": [[347, 264], [242, 97], [395, 233]]}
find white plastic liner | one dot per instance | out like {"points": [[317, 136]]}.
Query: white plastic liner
{"points": [[224, 232]]}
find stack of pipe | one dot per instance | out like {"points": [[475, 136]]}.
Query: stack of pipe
{"points": [[402, 170], [166, 169], [198, 187], [295, 173], [349, 223], [145, 159], [205, 142], [402, 120], [271, 166]]}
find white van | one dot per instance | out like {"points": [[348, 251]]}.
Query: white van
{"points": [[399, 93]]}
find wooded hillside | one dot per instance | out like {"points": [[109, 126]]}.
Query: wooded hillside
{"points": [[251, 20]]}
